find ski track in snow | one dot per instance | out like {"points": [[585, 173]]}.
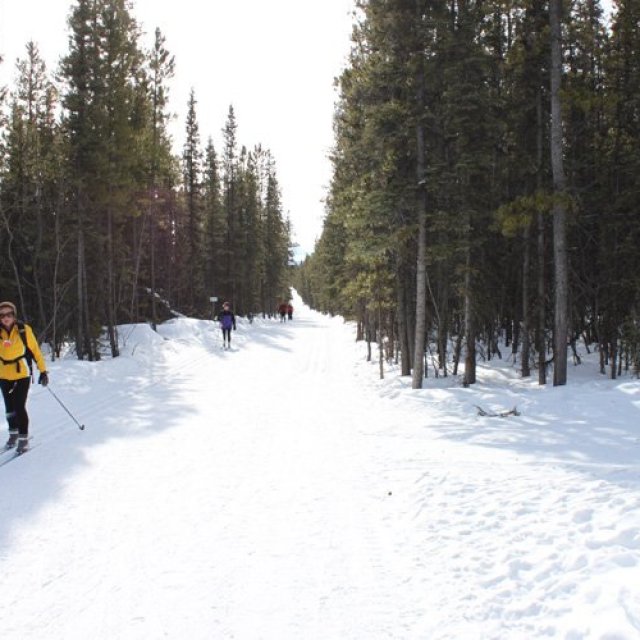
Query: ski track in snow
{"points": [[279, 492]]}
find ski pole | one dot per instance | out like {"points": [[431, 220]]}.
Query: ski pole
{"points": [[80, 426]]}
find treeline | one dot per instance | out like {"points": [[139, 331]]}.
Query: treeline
{"points": [[100, 222], [485, 185]]}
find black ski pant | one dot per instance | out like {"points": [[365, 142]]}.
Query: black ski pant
{"points": [[15, 394], [226, 335]]}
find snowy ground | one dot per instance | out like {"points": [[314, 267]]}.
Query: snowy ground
{"points": [[281, 491]]}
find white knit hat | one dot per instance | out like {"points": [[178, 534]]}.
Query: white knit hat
{"points": [[10, 305]]}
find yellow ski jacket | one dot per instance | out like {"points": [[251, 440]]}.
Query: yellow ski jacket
{"points": [[13, 353]]}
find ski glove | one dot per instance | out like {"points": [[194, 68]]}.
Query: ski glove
{"points": [[43, 379]]}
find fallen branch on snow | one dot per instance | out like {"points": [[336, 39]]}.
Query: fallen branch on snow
{"points": [[499, 414]]}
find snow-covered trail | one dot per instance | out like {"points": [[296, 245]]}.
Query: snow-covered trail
{"points": [[256, 512], [279, 492]]}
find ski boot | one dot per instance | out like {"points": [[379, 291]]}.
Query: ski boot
{"points": [[12, 441], [23, 445]]}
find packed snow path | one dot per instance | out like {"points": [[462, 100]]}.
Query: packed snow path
{"points": [[272, 492]]}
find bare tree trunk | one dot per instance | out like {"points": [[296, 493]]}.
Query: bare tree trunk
{"points": [[614, 353], [56, 268], [90, 344], [421, 270], [134, 311], [36, 258], [421, 302], [457, 351], [154, 316], [442, 312], [541, 322], [561, 279], [111, 286], [402, 317], [469, 327], [526, 309], [80, 338], [380, 343]]}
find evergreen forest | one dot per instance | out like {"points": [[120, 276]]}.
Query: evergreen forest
{"points": [[101, 221], [484, 191], [485, 186]]}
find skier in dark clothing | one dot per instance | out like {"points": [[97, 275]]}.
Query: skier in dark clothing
{"points": [[290, 311], [18, 347], [227, 321]]}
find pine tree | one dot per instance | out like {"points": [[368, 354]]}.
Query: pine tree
{"points": [[618, 289], [193, 258], [161, 68], [526, 175], [213, 220], [30, 189], [101, 73], [276, 241], [464, 167], [229, 203], [252, 257]]}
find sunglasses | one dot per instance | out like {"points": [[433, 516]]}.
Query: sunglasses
{"points": [[8, 314]]}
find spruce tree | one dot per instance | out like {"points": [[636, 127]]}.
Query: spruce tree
{"points": [[161, 69], [30, 189], [229, 203], [213, 221], [618, 288], [193, 256], [100, 99]]}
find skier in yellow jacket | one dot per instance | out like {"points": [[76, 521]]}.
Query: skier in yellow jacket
{"points": [[18, 347]]}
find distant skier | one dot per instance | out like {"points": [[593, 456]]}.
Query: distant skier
{"points": [[227, 321], [18, 347], [290, 311], [282, 310]]}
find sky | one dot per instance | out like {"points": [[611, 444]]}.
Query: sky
{"points": [[273, 60], [282, 490]]}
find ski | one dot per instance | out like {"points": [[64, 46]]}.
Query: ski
{"points": [[7, 449], [6, 459]]}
